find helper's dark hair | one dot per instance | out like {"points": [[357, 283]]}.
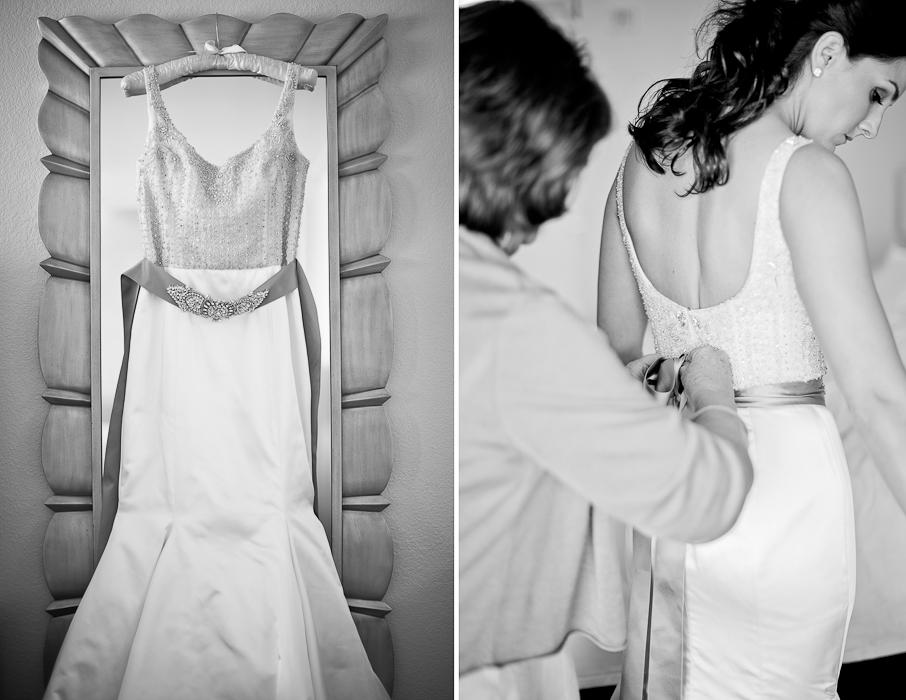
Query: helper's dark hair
{"points": [[757, 51], [529, 114]]}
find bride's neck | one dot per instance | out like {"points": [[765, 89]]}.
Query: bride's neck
{"points": [[789, 108]]}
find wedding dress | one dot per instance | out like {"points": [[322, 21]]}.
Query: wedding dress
{"points": [[217, 580], [760, 613]]}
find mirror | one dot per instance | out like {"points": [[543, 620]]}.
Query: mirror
{"points": [[220, 114], [81, 58]]}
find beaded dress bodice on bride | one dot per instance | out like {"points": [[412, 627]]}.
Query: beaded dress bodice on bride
{"points": [[244, 213], [764, 327], [761, 612]]}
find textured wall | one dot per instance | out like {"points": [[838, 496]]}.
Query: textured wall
{"points": [[418, 86]]}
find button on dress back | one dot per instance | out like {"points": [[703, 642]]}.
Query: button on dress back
{"points": [[241, 214]]}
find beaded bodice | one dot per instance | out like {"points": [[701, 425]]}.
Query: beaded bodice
{"points": [[764, 327], [242, 214]]}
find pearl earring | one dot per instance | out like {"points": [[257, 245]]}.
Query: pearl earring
{"points": [[816, 71]]}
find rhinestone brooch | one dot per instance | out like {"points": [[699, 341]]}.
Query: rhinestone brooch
{"points": [[195, 302]]}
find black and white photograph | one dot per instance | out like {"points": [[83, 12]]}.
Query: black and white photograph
{"points": [[227, 358], [435, 349], [682, 400]]}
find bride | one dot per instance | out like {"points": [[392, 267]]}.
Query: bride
{"points": [[732, 222]]}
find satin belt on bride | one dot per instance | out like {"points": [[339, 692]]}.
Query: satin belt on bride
{"points": [[785, 394], [665, 560]]}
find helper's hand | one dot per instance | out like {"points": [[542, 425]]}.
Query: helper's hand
{"points": [[707, 378], [638, 369]]}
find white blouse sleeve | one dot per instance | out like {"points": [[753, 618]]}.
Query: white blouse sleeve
{"points": [[568, 403]]}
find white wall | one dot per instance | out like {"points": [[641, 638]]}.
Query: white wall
{"points": [[418, 84]]}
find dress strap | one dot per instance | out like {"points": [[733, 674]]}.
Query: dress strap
{"points": [[151, 87], [639, 274], [146, 75], [157, 110], [288, 95], [297, 78], [621, 217], [767, 230]]}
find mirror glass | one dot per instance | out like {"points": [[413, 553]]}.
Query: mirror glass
{"points": [[220, 115]]}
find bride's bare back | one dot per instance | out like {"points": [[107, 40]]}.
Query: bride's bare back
{"points": [[697, 249]]}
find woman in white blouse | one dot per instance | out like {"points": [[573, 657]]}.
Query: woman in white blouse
{"points": [[558, 441]]}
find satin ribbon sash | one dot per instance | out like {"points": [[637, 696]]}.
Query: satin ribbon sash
{"points": [[162, 284], [782, 394], [673, 395], [155, 280], [656, 600], [657, 594], [785, 394]]}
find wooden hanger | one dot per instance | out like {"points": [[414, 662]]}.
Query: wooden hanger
{"points": [[232, 58]]}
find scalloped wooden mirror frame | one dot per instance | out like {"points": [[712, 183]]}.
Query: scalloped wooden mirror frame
{"points": [[71, 52]]}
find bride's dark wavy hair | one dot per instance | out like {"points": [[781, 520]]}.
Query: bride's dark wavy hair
{"points": [[758, 49]]}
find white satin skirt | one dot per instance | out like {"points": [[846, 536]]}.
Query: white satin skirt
{"points": [[551, 677], [760, 613], [217, 580]]}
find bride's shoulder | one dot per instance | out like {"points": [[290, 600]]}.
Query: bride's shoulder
{"points": [[819, 207], [641, 181], [634, 162], [813, 169]]}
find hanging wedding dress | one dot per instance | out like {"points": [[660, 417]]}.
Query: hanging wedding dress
{"points": [[217, 580], [760, 613]]}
